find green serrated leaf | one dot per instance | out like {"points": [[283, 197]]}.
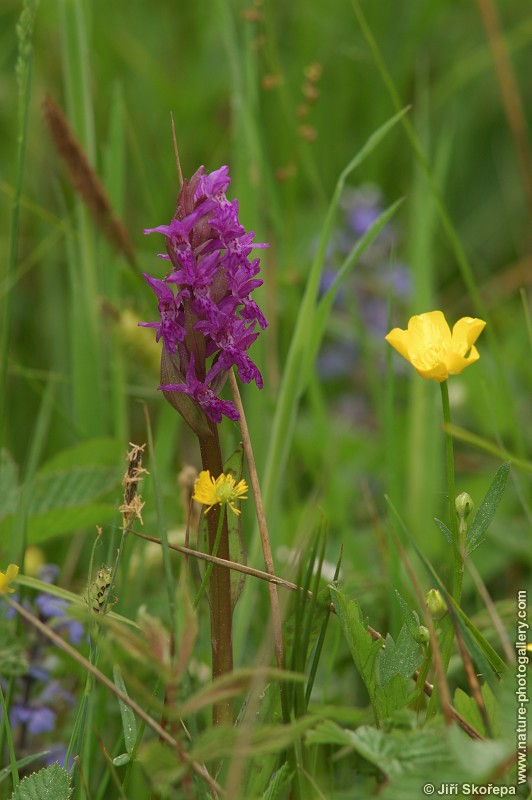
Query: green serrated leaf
{"points": [[468, 708], [328, 732], [102, 451], [385, 699], [410, 618], [129, 723], [74, 486], [487, 508], [51, 783], [401, 658], [22, 762], [278, 783]]}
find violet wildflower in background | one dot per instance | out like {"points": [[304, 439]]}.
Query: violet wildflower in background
{"points": [[208, 319], [360, 315], [41, 703]]}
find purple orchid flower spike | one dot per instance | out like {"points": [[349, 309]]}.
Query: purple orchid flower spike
{"points": [[208, 326]]}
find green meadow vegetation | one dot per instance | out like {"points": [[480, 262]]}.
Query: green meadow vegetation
{"points": [[338, 606]]}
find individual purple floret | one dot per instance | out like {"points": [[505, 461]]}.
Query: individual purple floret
{"points": [[204, 397], [209, 323]]}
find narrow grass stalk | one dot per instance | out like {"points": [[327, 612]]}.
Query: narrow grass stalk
{"points": [[297, 363], [90, 412], [261, 521], [24, 76], [9, 737]]}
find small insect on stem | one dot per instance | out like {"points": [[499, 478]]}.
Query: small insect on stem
{"points": [[99, 590]]}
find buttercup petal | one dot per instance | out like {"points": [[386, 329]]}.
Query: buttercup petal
{"points": [[431, 348], [439, 372], [465, 334], [399, 339]]}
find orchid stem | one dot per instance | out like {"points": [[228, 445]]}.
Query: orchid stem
{"points": [[220, 581], [210, 565]]}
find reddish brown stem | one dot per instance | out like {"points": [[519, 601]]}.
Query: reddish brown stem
{"points": [[220, 583]]}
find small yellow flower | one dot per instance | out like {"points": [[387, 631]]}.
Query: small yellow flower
{"points": [[432, 349], [8, 577], [223, 490]]}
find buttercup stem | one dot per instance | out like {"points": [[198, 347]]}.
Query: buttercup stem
{"points": [[220, 582], [458, 558], [447, 633]]}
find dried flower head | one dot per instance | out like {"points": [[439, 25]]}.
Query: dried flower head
{"points": [[132, 506]]}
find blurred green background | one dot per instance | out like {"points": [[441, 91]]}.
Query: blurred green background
{"points": [[285, 94]]}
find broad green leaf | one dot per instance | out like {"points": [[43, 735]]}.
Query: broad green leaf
{"points": [[73, 486], [64, 495], [62, 521], [410, 618], [129, 723], [51, 783], [487, 508], [103, 452], [385, 699], [468, 708], [22, 762], [401, 658]]}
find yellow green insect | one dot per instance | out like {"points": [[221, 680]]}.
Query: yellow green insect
{"points": [[99, 591]]}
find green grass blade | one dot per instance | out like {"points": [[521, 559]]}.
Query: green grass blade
{"points": [[24, 78], [292, 383], [129, 722]]}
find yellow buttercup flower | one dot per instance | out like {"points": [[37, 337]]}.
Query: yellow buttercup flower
{"points": [[432, 349], [8, 577], [223, 490]]}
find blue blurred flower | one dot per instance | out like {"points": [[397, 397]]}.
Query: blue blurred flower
{"points": [[37, 719], [360, 314], [39, 701]]}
